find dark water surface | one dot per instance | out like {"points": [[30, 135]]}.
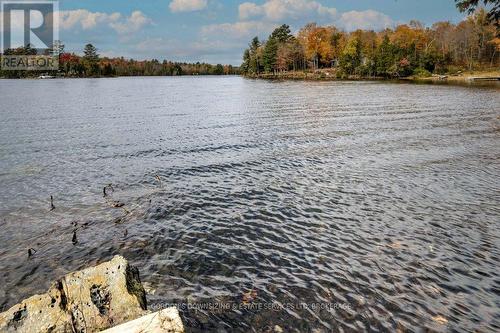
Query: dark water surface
{"points": [[375, 204]]}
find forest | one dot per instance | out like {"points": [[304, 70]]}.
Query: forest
{"points": [[407, 50], [93, 65]]}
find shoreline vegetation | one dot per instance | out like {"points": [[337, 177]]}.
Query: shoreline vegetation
{"points": [[329, 74], [444, 52], [91, 65]]}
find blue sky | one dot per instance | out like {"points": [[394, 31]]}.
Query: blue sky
{"points": [[217, 31]]}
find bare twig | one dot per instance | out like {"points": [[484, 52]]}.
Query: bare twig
{"points": [[158, 179], [31, 252], [52, 207]]}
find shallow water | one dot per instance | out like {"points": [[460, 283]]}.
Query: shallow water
{"points": [[375, 204]]}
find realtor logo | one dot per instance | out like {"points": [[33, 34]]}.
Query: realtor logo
{"points": [[29, 29]]}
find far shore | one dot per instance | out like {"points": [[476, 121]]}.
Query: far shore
{"points": [[463, 78], [331, 75], [111, 77]]}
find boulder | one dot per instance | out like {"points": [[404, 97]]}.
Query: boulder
{"points": [[167, 320], [85, 301], [39, 313]]}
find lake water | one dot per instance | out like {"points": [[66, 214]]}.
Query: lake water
{"points": [[315, 206]]}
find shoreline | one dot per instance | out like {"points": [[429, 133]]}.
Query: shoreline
{"points": [[475, 77], [111, 77]]}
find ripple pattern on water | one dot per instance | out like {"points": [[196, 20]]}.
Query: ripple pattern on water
{"points": [[381, 199]]}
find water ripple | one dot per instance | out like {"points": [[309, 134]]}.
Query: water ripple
{"points": [[378, 200]]}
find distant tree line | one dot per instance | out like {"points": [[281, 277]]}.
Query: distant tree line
{"points": [[92, 65], [408, 49]]}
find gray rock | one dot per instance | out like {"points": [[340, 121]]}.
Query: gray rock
{"points": [[278, 329], [163, 321], [89, 300]]}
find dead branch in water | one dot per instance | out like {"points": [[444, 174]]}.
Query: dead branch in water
{"points": [[31, 252], [158, 179], [109, 186], [52, 207]]}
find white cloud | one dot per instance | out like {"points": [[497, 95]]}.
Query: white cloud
{"points": [[368, 19], [134, 23], [223, 43], [300, 11], [187, 5], [249, 9], [238, 30], [279, 10], [87, 20]]}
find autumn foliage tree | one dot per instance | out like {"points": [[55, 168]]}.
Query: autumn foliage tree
{"points": [[408, 49]]}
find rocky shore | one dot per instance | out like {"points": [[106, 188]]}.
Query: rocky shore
{"points": [[91, 300]]}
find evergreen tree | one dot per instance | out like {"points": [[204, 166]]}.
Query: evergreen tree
{"points": [[219, 69], [90, 53], [384, 57], [254, 56], [270, 54], [91, 60], [245, 67], [281, 34]]}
